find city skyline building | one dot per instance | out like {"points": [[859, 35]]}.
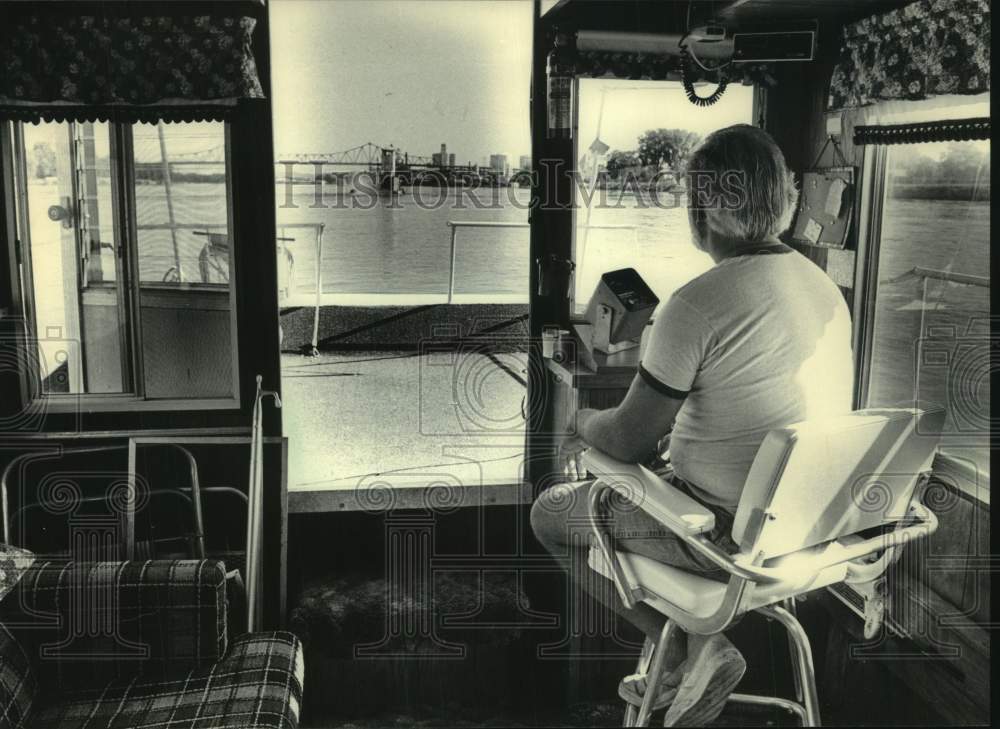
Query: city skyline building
{"points": [[499, 164]]}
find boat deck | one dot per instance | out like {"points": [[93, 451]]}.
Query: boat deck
{"points": [[360, 422]]}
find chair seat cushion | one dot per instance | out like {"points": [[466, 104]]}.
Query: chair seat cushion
{"points": [[257, 685], [662, 583]]}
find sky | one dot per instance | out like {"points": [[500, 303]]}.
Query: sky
{"points": [[632, 107], [406, 73], [417, 73]]}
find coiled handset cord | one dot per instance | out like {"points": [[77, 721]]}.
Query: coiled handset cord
{"points": [[688, 83]]}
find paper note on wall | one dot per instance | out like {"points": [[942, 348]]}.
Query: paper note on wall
{"points": [[835, 198], [812, 231]]}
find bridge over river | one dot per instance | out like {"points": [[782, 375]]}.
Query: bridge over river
{"points": [[386, 164]]}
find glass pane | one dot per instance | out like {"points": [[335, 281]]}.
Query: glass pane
{"points": [[631, 134], [407, 196], [75, 300], [389, 243], [97, 220], [184, 255], [931, 332], [182, 209]]}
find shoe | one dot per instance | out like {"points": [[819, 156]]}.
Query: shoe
{"points": [[632, 688], [714, 668]]}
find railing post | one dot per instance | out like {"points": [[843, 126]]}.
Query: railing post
{"points": [[451, 272], [319, 289], [167, 185]]}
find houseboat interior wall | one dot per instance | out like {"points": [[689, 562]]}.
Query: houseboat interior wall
{"points": [[141, 316], [164, 358]]}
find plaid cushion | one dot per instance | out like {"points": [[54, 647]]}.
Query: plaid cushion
{"points": [[17, 682], [13, 563], [257, 685], [90, 623]]}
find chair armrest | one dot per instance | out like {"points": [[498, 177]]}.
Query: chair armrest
{"points": [[668, 505], [99, 621], [921, 522]]}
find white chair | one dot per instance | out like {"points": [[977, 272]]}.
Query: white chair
{"points": [[824, 502]]}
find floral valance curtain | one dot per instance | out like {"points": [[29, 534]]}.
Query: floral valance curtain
{"points": [[59, 65], [597, 64], [927, 48]]}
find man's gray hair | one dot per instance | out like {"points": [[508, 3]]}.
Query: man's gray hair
{"points": [[739, 177]]}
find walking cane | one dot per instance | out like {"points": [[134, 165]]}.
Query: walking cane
{"points": [[255, 504]]}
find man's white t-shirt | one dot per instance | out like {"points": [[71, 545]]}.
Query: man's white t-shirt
{"points": [[757, 342]]}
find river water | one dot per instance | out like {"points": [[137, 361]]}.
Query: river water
{"points": [[398, 250], [382, 250], [379, 246]]}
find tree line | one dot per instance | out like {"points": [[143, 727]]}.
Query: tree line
{"points": [[654, 149], [961, 173]]}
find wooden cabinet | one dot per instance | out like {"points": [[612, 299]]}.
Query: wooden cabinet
{"points": [[592, 379], [587, 380]]}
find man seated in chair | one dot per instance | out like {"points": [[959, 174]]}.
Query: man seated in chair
{"points": [[761, 340]]}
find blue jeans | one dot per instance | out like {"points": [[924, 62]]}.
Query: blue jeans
{"points": [[560, 521], [561, 510]]}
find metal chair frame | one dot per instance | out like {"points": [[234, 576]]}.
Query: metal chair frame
{"points": [[745, 576], [194, 499]]}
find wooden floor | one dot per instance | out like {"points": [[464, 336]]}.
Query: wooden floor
{"points": [[582, 715]]}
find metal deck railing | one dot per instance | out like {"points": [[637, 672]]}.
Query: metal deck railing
{"points": [[455, 225], [297, 289]]}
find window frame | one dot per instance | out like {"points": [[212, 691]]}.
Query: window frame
{"points": [[128, 285], [874, 189], [758, 109]]}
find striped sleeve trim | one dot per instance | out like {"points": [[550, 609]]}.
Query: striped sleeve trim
{"points": [[661, 387]]}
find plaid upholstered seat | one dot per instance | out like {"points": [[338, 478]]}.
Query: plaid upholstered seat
{"points": [[153, 654], [18, 682], [257, 684]]}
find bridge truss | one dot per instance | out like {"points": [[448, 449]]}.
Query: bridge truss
{"points": [[367, 155]]}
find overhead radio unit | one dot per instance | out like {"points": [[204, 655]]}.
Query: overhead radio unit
{"points": [[794, 45]]}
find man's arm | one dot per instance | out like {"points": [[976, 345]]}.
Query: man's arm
{"points": [[631, 431], [676, 348]]}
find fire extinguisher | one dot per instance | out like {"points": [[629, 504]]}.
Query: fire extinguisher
{"points": [[560, 71]]}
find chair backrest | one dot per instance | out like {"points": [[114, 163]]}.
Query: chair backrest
{"points": [[821, 480]]}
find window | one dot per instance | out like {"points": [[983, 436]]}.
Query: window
{"points": [[72, 269], [930, 338], [429, 212], [125, 261], [632, 139]]}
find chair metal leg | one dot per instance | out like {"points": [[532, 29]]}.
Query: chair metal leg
{"points": [[803, 661], [654, 673], [789, 605], [653, 663], [648, 649], [641, 667], [792, 707]]}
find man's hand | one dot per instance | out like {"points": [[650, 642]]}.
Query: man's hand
{"points": [[570, 453], [571, 449]]}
